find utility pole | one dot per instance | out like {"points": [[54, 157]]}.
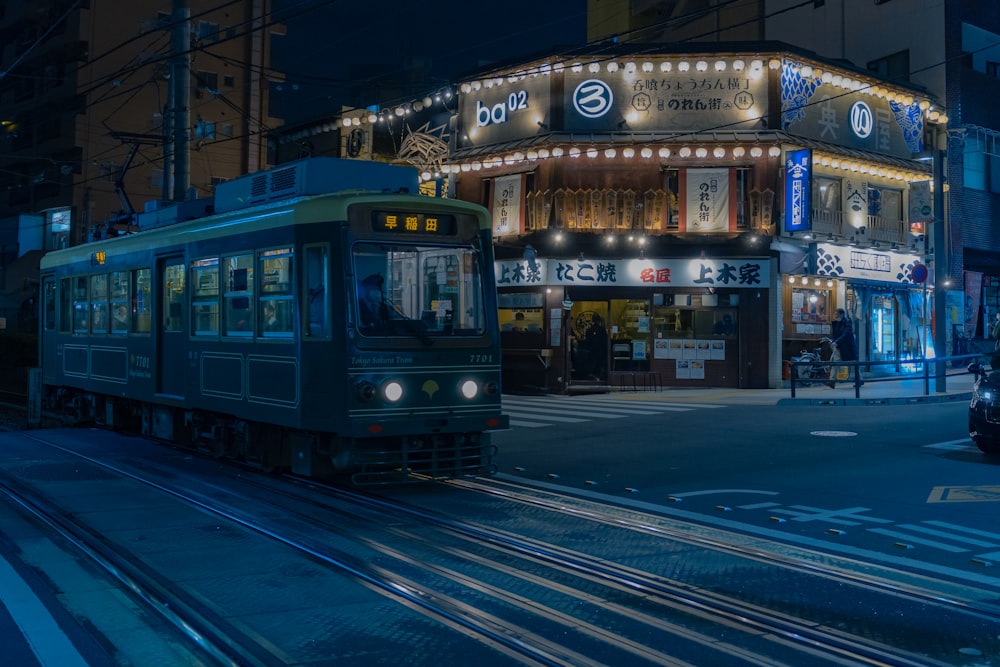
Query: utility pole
{"points": [[180, 86], [941, 280]]}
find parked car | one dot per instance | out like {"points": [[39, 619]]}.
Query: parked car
{"points": [[984, 409]]}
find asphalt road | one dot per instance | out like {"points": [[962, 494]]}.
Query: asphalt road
{"points": [[897, 484]]}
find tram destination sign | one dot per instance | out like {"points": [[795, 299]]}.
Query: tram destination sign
{"points": [[401, 222]]}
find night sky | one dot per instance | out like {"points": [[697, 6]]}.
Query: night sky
{"points": [[389, 51]]}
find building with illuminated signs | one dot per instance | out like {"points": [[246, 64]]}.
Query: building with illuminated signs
{"points": [[693, 215]]}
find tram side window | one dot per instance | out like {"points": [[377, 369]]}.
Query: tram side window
{"points": [[119, 303], [99, 304], [316, 271], [173, 297], [81, 306], [205, 297], [239, 295], [141, 301], [276, 293], [65, 304]]}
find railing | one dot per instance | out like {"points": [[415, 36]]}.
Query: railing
{"points": [[876, 227], [927, 370]]}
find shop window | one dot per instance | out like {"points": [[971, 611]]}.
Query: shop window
{"points": [[630, 335], [521, 320], [810, 306], [695, 322]]}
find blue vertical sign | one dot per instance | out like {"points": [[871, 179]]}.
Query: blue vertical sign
{"points": [[798, 190]]}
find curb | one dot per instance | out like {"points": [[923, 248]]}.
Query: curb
{"points": [[943, 398]]}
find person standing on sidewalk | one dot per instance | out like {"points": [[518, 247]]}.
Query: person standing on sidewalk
{"points": [[842, 340]]}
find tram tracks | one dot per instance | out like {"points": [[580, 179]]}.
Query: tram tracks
{"points": [[526, 599]]}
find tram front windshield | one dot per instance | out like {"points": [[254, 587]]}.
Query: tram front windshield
{"points": [[422, 291]]}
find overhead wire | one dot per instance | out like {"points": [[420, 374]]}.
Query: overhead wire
{"points": [[308, 9]]}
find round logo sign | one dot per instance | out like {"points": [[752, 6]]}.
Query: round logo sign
{"points": [[862, 119], [592, 98], [918, 272]]}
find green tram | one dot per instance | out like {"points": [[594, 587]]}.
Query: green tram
{"points": [[324, 319]]}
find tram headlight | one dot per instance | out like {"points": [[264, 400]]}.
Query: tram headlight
{"points": [[491, 388], [469, 388], [367, 391], [392, 390]]}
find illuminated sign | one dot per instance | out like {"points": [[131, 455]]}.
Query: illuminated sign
{"points": [[862, 120], [98, 258], [498, 113], [397, 222], [798, 185], [736, 272], [593, 98]]}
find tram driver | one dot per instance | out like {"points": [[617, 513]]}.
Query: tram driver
{"points": [[371, 303]]}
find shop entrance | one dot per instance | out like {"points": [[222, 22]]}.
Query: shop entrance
{"points": [[589, 341], [883, 328]]}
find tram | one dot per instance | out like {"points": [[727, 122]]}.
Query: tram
{"points": [[323, 319]]}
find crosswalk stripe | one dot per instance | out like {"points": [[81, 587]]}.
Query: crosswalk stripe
{"points": [[549, 410], [598, 410], [919, 540], [516, 422], [952, 445], [527, 412], [613, 402], [948, 535]]}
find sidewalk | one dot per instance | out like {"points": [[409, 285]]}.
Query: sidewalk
{"points": [[875, 391]]}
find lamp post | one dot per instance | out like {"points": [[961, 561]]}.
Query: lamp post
{"points": [[940, 265]]}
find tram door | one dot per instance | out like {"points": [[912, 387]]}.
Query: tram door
{"points": [[170, 361]]}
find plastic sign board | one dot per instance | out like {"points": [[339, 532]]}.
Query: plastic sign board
{"points": [[798, 190]]}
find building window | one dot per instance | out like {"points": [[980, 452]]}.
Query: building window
{"points": [[981, 162], [204, 129], [894, 66], [110, 171], [993, 69], [208, 31], [206, 81], [228, 80]]}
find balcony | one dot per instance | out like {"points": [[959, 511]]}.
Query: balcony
{"points": [[876, 227]]}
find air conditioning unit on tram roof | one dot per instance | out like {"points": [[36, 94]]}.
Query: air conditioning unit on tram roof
{"points": [[313, 176]]}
